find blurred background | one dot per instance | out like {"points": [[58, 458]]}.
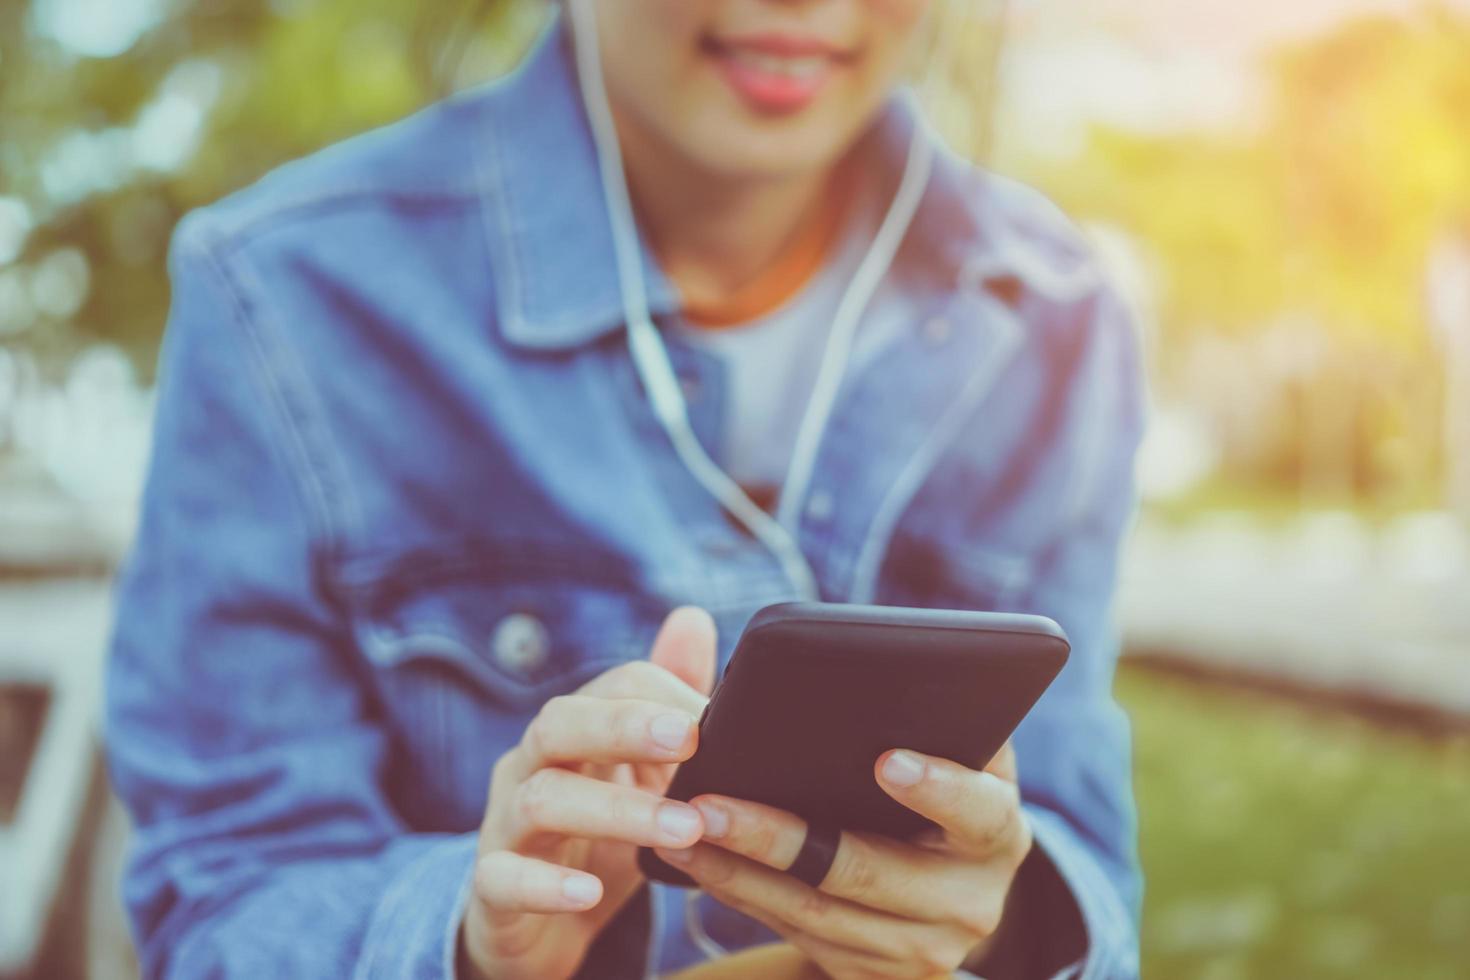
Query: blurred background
{"points": [[1284, 189]]}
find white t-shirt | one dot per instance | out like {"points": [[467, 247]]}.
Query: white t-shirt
{"points": [[772, 362]]}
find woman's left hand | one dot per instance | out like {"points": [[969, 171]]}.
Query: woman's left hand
{"points": [[886, 908]]}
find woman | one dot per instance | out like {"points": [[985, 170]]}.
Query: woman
{"points": [[690, 312]]}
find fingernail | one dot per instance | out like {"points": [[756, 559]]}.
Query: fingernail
{"points": [[670, 731], [680, 857], [716, 820], [581, 890], [678, 822], [903, 769]]}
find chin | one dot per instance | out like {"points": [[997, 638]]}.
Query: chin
{"points": [[738, 149]]}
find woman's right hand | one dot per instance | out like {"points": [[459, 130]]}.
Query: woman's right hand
{"points": [[570, 805]]}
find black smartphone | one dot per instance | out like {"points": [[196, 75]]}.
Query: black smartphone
{"points": [[815, 692]]}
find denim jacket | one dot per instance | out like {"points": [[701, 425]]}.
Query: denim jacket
{"points": [[405, 486]]}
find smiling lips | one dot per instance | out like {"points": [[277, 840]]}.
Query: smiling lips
{"points": [[776, 73]]}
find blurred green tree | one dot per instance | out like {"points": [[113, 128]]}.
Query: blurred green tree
{"points": [[1327, 210], [1310, 231], [103, 154]]}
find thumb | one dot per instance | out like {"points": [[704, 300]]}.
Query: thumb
{"points": [[1004, 763], [685, 647]]}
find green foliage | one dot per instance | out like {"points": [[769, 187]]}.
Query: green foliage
{"points": [[1280, 843], [1328, 210], [1371, 126], [1206, 207], [290, 75], [1298, 247]]}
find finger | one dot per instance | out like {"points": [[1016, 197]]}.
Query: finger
{"points": [[907, 947], [685, 647], [576, 728], [732, 878], [508, 882], [979, 812], [869, 870], [832, 959], [1003, 763], [766, 834], [569, 804], [645, 681]]}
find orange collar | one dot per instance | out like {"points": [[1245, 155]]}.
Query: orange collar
{"points": [[792, 269]]}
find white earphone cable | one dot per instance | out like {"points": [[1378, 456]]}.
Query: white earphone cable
{"points": [[651, 359], [855, 300], [649, 356]]}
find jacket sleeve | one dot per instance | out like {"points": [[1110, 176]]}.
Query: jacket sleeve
{"points": [[1075, 908], [239, 736]]}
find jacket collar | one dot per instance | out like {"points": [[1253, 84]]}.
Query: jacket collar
{"points": [[546, 219]]}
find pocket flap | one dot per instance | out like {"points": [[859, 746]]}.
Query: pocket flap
{"points": [[520, 637]]}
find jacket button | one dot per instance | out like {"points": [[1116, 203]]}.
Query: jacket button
{"points": [[936, 330], [520, 643]]}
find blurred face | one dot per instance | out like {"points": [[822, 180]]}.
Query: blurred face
{"points": [[754, 88]]}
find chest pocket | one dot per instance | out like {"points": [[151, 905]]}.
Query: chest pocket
{"points": [[463, 653], [513, 636]]}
